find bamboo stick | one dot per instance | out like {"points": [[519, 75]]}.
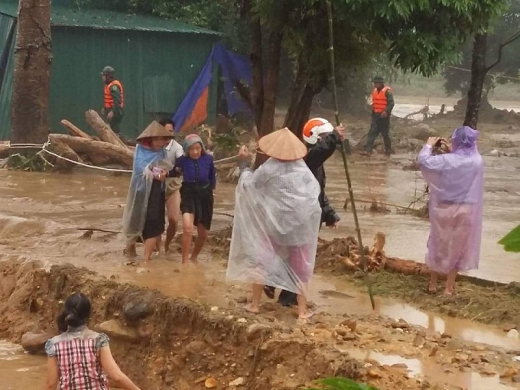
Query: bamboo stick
{"points": [[344, 153]]}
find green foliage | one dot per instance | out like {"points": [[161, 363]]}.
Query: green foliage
{"points": [[507, 70], [218, 15], [225, 142], [511, 241], [341, 384], [30, 162], [423, 34]]}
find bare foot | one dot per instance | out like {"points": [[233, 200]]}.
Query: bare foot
{"points": [[432, 289], [249, 308], [449, 293], [306, 316], [130, 251]]}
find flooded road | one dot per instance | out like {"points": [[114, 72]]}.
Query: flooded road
{"points": [[19, 370], [40, 215]]}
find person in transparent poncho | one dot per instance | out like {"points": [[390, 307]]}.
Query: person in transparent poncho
{"points": [[455, 180], [144, 215], [276, 223]]}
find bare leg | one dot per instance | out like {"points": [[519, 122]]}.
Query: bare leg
{"points": [[173, 207], [158, 244], [433, 282], [187, 234], [254, 306], [202, 235], [450, 283], [303, 314], [130, 250], [149, 246]]}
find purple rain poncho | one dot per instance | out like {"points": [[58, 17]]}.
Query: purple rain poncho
{"points": [[456, 193]]}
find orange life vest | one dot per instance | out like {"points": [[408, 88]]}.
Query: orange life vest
{"points": [[109, 102], [379, 102]]}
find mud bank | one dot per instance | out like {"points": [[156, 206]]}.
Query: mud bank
{"points": [[167, 343]]}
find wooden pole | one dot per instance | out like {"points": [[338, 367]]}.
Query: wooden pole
{"points": [[343, 151]]}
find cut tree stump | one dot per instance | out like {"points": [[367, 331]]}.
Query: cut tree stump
{"points": [[97, 151], [74, 130], [103, 129]]}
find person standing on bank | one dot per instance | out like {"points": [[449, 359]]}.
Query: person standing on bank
{"points": [[456, 182], [114, 100], [174, 150], [382, 106]]}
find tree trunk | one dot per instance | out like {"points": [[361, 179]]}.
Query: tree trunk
{"points": [[32, 68], [271, 80], [478, 76], [97, 151], [103, 129], [297, 91], [257, 89], [74, 130], [302, 110]]}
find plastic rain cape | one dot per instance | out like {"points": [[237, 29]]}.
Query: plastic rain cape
{"points": [[134, 215], [455, 207], [276, 226]]}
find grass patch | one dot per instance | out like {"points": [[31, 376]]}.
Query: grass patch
{"points": [[496, 305]]}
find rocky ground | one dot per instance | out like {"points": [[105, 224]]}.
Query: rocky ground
{"points": [[170, 343]]}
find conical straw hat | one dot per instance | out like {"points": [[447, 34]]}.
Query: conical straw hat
{"points": [[283, 145], [155, 129]]}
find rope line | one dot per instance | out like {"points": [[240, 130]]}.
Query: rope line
{"points": [[44, 146]]}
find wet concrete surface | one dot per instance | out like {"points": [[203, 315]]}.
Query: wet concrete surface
{"points": [[40, 215]]}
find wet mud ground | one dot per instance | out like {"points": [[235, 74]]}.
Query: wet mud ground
{"points": [[40, 215]]}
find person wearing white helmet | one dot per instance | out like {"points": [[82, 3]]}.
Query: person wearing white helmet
{"points": [[322, 139]]}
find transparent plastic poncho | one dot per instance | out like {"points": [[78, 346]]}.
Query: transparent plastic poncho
{"points": [[134, 216], [455, 207], [276, 226]]}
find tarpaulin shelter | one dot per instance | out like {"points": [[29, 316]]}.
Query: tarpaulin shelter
{"points": [[234, 68]]}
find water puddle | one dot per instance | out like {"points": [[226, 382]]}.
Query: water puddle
{"points": [[19, 370], [360, 305], [433, 371]]}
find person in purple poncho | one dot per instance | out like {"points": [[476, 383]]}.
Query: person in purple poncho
{"points": [[456, 187], [198, 185]]}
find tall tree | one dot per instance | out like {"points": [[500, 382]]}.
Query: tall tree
{"points": [[479, 71], [32, 68], [501, 50]]}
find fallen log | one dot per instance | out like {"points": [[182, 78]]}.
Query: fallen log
{"points": [[64, 150], [74, 130], [103, 129], [98, 151]]}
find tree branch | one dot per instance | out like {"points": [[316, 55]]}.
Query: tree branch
{"points": [[509, 40]]}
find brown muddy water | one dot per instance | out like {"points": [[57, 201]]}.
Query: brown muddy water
{"points": [[40, 215]]}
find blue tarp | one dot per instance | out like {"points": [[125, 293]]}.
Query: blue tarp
{"points": [[235, 68]]}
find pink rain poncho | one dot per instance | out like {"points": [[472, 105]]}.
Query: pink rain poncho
{"points": [[456, 191]]}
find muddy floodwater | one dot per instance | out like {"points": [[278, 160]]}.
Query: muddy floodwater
{"points": [[41, 214]]}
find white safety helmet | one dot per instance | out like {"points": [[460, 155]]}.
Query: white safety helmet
{"points": [[314, 128]]}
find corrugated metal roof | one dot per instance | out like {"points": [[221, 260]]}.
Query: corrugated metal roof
{"points": [[108, 20]]}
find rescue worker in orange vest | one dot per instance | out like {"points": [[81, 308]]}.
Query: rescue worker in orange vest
{"points": [[382, 105], [114, 99]]}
